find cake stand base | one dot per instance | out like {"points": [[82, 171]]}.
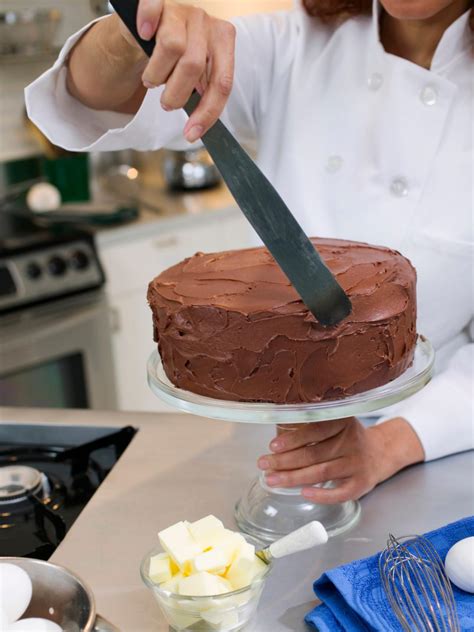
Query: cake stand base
{"points": [[269, 513]]}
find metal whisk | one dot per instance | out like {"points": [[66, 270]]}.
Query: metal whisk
{"points": [[417, 587]]}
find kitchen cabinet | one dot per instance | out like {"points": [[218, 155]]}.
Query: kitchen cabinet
{"points": [[130, 263]]}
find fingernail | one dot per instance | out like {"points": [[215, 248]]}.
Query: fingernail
{"points": [[148, 85], [273, 479], [165, 107], [264, 464], [194, 133], [145, 31], [276, 445]]}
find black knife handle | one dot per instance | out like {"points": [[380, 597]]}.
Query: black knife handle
{"points": [[127, 11]]}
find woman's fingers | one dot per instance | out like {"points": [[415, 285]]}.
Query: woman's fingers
{"points": [[192, 50], [346, 489], [222, 45], [191, 66], [171, 44], [311, 454], [312, 475], [148, 17], [308, 433]]}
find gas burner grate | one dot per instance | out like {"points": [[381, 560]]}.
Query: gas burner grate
{"points": [[43, 488]]}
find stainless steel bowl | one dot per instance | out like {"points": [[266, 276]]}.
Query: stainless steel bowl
{"points": [[28, 31], [189, 170], [60, 596]]}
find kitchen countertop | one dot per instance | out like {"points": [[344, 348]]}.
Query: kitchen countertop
{"points": [[182, 467]]}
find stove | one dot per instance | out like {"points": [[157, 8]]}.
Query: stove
{"points": [[48, 474], [39, 264], [55, 334]]}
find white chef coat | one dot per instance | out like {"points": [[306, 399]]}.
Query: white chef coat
{"points": [[362, 145]]}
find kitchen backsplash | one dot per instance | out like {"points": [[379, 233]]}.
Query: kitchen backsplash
{"points": [[16, 74]]}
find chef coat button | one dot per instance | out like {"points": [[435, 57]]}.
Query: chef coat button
{"points": [[375, 81], [333, 164], [399, 187], [429, 95]]}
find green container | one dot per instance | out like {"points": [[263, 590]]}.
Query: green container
{"points": [[70, 174], [16, 171]]}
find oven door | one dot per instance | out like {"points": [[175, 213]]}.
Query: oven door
{"points": [[58, 355]]}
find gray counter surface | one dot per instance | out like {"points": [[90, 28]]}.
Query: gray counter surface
{"points": [[181, 467]]}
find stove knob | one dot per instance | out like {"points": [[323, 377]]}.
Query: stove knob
{"points": [[33, 271], [57, 266], [79, 260]]}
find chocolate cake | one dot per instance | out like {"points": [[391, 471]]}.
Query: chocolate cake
{"points": [[230, 326]]}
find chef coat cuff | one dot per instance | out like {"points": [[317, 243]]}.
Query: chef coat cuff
{"points": [[70, 124], [442, 413]]}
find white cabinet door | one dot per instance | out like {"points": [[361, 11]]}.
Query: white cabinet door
{"points": [[132, 339], [130, 266]]}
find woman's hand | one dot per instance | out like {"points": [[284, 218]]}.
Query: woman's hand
{"points": [[193, 50], [107, 69], [343, 451]]}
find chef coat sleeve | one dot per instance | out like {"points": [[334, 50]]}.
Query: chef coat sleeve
{"points": [[262, 44], [442, 414]]}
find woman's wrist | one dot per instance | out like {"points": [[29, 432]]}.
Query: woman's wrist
{"points": [[118, 65], [120, 46], [397, 445]]}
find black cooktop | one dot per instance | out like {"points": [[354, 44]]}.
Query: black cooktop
{"points": [[47, 476], [18, 234]]}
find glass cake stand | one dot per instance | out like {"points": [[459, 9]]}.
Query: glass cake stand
{"points": [[269, 513]]}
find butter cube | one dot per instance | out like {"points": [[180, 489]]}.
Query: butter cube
{"points": [[196, 607], [225, 620], [205, 531], [180, 620], [160, 568], [214, 561], [172, 585], [230, 542], [245, 567], [204, 584], [174, 567], [179, 544]]}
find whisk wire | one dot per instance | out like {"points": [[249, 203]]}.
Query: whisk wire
{"points": [[409, 604], [417, 587]]}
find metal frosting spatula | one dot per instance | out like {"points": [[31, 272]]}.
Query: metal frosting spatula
{"points": [[263, 207]]}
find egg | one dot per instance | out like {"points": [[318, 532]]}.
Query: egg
{"points": [[34, 625], [459, 564], [43, 197], [15, 592]]}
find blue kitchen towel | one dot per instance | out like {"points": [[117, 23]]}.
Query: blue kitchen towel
{"points": [[354, 599]]}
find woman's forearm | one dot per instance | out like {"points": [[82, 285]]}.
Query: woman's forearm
{"points": [[399, 446], [104, 69]]}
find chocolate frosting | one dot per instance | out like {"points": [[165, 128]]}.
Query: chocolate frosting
{"points": [[230, 325]]}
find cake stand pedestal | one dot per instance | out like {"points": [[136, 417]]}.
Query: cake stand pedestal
{"points": [[268, 513]]}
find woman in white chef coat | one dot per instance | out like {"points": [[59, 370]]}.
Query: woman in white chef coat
{"points": [[364, 120]]}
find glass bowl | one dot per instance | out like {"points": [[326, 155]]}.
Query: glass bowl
{"points": [[220, 613]]}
